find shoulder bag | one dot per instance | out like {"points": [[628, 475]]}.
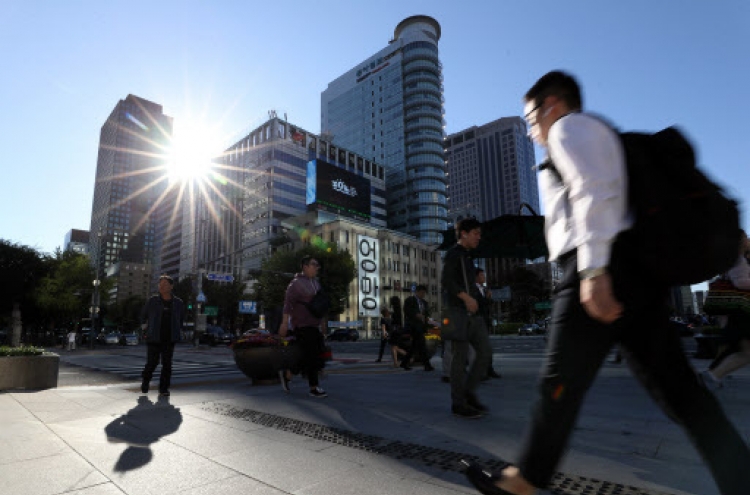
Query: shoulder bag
{"points": [[455, 321]]}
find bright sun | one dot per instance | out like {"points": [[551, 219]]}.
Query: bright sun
{"points": [[193, 148]]}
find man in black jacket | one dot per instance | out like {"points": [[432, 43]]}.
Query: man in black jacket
{"points": [[460, 297], [164, 317], [417, 315]]}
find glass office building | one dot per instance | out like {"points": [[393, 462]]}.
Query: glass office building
{"points": [[264, 179], [490, 169], [130, 176], [389, 109]]}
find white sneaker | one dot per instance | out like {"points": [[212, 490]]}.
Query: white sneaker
{"points": [[318, 393]]}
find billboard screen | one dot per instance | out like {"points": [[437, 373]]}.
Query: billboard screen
{"points": [[335, 189]]}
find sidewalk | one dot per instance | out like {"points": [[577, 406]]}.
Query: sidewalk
{"points": [[380, 431]]}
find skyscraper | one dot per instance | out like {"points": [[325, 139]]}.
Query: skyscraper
{"points": [[490, 169], [389, 109], [130, 176]]}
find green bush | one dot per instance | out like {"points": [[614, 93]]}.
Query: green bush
{"points": [[24, 350]]}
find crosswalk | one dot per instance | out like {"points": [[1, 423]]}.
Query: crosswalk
{"points": [[180, 369]]}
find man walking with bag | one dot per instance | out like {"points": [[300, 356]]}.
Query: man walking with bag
{"points": [[603, 299], [299, 294], [467, 327]]}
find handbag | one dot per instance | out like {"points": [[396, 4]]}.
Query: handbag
{"points": [[319, 304], [455, 321], [724, 298]]}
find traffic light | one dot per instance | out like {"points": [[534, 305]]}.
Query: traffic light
{"points": [[190, 306]]}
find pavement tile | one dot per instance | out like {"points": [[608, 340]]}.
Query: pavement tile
{"points": [[286, 467], [49, 475], [367, 481], [25, 440], [139, 462], [102, 489], [235, 485]]}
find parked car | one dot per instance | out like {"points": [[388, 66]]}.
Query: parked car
{"points": [[344, 334], [129, 339], [530, 329], [215, 335], [111, 338]]}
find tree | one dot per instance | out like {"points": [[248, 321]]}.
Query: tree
{"points": [[336, 273], [126, 314], [184, 290], [227, 297], [526, 288], [64, 294], [21, 269]]}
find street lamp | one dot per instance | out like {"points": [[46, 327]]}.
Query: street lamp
{"points": [[94, 309]]}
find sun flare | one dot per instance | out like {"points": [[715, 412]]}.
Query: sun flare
{"points": [[193, 148]]}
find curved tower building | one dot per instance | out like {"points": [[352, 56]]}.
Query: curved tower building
{"points": [[389, 108]]}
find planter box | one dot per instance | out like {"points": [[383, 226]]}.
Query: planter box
{"points": [[262, 364], [29, 372]]}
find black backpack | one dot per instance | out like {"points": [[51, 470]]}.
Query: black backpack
{"points": [[686, 230]]}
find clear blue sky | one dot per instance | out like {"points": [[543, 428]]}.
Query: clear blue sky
{"points": [[645, 64]]}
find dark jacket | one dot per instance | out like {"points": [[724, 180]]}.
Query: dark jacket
{"points": [[151, 315], [411, 310], [453, 280], [300, 291]]}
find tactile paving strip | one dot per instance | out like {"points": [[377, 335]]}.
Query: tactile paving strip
{"points": [[562, 484]]}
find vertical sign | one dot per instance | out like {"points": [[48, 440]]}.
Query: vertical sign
{"points": [[368, 256]]}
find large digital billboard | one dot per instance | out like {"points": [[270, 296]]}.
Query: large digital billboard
{"points": [[335, 189]]}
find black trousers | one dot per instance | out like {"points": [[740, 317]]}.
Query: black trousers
{"points": [[382, 348], [155, 353], [577, 346], [311, 343], [418, 346], [465, 382]]}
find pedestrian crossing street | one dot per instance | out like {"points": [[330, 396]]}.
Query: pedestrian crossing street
{"points": [[180, 369]]}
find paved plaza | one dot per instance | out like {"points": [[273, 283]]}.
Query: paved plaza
{"points": [[380, 431]]}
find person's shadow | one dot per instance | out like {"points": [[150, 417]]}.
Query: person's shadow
{"points": [[141, 426]]}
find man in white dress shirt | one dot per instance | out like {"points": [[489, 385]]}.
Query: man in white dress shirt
{"points": [[603, 299]]}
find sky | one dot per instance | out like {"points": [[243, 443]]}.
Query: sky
{"points": [[224, 65]]}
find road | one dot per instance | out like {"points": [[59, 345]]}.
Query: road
{"points": [[113, 364]]}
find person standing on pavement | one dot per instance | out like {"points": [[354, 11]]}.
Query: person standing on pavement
{"points": [[603, 298], [417, 316], [72, 340], [485, 306], [307, 327], [163, 316], [461, 298]]}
